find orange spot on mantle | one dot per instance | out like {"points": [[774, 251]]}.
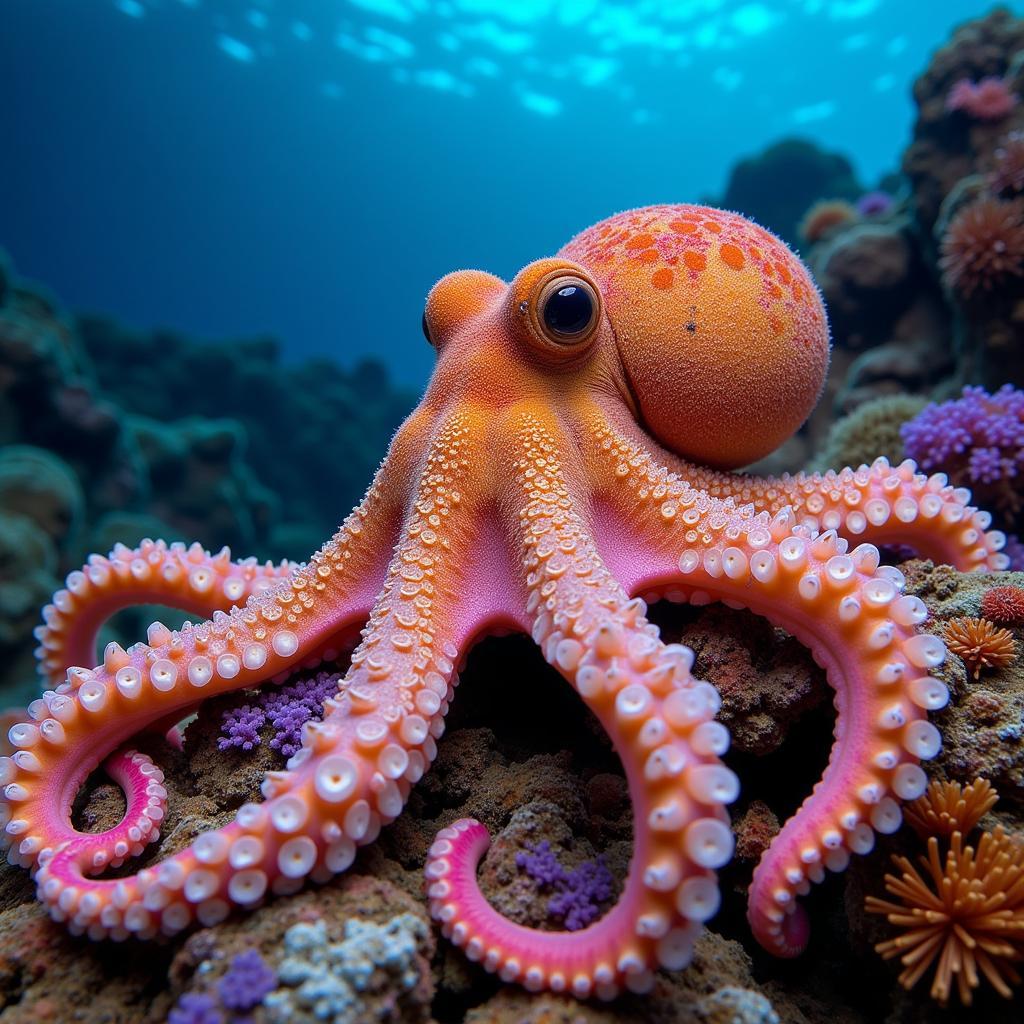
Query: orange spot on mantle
{"points": [[683, 227], [662, 278], [640, 242], [694, 260], [646, 256], [732, 256]]}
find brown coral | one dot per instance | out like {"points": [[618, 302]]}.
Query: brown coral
{"points": [[983, 247], [824, 217], [979, 643], [1003, 604], [970, 917], [948, 807]]}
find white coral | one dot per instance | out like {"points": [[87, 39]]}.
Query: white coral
{"points": [[331, 982]]}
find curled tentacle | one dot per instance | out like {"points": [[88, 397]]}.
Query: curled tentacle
{"points": [[182, 577], [850, 612], [659, 719], [351, 775]]}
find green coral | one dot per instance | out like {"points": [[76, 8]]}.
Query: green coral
{"points": [[871, 430]]}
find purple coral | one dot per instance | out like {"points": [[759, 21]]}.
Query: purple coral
{"points": [[286, 709], [195, 1008], [578, 893], [875, 204], [978, 437], [247, 982]]}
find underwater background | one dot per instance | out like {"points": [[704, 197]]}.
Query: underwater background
{"points": [[309, 168], [218, 225]]}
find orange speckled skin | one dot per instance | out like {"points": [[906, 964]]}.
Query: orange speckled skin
{"points": [[554, 475], [721, 330]]}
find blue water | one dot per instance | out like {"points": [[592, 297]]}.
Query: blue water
{"points": [[308, 168]]}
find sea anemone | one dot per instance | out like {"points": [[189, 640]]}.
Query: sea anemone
{"points": [[948, 807], [825, 217], [979, 643], [989, 99], [970, 918], [1003, 604], [983, 247], [1007, 177]]}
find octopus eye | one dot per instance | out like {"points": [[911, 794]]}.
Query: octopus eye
{"points": [[426, 329], [568, 308]]}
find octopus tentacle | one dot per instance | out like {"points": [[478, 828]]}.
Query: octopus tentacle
{"points": [[351, 774], [659, 719], [188, 578], [878, 504], [849, 611]]}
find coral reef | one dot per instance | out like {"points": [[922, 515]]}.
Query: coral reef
{"points": [[777, 186], [93, 454]]}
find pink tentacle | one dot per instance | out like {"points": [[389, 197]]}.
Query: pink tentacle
{"points": [[153, 573], [842, 605], [659, 720]]}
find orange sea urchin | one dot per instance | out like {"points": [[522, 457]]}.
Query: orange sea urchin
{"points": [[979, 643], [948, 807], [968, 913], [983, 246]]}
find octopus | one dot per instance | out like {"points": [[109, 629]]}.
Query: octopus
{"points": [[575, 453]]}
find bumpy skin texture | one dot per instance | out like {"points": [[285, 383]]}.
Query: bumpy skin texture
{"points": [[533, 488]]}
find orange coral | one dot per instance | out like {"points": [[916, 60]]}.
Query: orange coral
{"points": [[824, 217], [983, 247], [1003, 604], [970, 917], [979, 643], [948, 807]]}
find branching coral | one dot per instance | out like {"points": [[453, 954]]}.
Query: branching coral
{"points": [[344, 982], [967, 913], [948, 807], [287, 709], [976, 440], [825, 217], [247, 982], [979, 643], [578, 894], [983, 247], [990, 99]]}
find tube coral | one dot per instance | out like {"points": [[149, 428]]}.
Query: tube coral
{"points": [[948, 807], [964, 914]]}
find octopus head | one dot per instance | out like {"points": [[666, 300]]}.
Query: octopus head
{"points": [[722, 335], [710, 328]]}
